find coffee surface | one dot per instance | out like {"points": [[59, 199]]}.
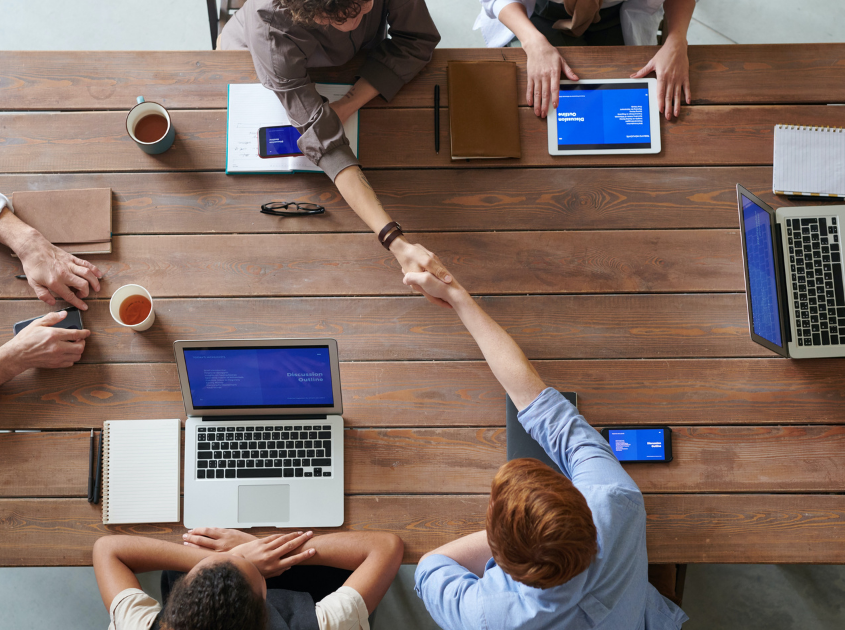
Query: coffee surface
{"points": [[134, 310], [151, 128]]}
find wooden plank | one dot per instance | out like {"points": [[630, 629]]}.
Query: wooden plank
{"points": [[72, 80], [424, 201], [368, 329], [224, 265], [455, 460], [465, 393], [97, 141], [744, 528]]}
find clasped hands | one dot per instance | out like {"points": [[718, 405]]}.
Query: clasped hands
{"points": [[271, 555]]}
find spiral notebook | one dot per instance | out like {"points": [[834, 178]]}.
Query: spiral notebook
{"points": [[141, 471], [809, 161]]}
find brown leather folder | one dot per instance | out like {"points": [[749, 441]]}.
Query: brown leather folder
{"points": [[78, 221], [483, 109]]}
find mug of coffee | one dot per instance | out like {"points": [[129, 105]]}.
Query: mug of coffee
{"points": [[132, 306], [149, 125]]}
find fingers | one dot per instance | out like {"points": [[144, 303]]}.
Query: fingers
{"points": [[288, 542], [70, 297], [646, 69], [570, 74], [67, 334], [545, 95], [687, 91], [529, 91], [208, 532], [202, 542], [660, 94], [50, 319], [90, 265], [436, 268], [42, 293], [678, 89], [416, 279], [87, 275], [667, 101], [288, 561]]}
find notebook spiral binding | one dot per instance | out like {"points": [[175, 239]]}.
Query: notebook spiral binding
{"points": [[809, 128], [105, 473]]}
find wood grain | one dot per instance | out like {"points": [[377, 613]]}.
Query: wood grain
{"points": [[226, 265], [370, 329], [755, 528], [97, 141], [426, 201], [454, 460], [465, 393], [71, 80]]}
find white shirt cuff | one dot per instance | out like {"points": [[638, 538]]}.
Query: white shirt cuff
{"points": [[343, 610], [5, 202]]}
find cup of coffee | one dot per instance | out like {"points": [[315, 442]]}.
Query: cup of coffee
{"points": [[149, 125], [132, 306]]}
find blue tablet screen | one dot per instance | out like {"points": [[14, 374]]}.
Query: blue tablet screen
{"points": [[637, 445], [603, 116]]}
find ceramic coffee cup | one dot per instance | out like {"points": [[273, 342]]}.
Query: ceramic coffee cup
{"points": [[162, 137]]}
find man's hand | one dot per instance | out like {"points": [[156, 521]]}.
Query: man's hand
{"points": [[270, 554], [416, 258], [671, 66], [49, 268], [436, 291], [216, 538], [40, 346], [545, 66]]}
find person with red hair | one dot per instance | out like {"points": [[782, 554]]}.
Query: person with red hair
{"points": [[559, 550]]}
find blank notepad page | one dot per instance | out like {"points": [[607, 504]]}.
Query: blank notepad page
{"points": [[809, 161], [141, 471]]}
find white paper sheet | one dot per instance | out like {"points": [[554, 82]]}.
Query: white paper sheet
{"points": [[809, 161], [252, 106]]}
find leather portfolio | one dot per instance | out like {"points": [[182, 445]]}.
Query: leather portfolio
{"points": [[78, 221], [483, 109]]}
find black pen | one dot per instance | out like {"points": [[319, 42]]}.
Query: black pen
{"points": [[437, 119], [21, 277], [91, 468], [98, 470]]}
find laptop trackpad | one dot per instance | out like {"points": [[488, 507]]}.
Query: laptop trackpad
{"points": [[263, 504]]}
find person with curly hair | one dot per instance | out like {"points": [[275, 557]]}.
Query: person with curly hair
{"points": [[225, 579], [288, 37], [559, 550]]}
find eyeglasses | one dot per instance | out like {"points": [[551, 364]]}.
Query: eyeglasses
{"points": [[280, 208]]}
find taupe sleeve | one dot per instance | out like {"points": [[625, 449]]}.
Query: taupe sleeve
{"points": [[280, 66], [397, 60]]}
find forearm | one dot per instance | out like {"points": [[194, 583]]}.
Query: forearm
{"points": [[14, 233], [677, 17], [361, 197], [10, 366], [515, 17], [472, 552], [505, 358], [359, 95]]}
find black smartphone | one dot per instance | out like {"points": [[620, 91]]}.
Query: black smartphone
{"points": [[640, 444], [73, 320], [278, 141]]}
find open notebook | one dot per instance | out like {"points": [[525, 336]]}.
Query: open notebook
{"points": [[141, 471], [252, 106], [809, 161]]}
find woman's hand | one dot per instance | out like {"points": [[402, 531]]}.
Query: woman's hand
{"points": [[49, 268], [428, 285], [671, 66], [415, 257], [216, 538], [545, 66], [270, 554]]}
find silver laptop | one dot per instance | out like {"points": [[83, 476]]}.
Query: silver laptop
{"points": [[264, 436], [794, 277]]}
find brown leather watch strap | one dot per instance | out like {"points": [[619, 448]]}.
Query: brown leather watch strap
{"points": [[386, 230], [392, 237]]}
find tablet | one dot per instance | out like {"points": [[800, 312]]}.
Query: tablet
{"points": [[595, 117]]}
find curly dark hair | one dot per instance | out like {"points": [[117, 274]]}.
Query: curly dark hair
{"points": [[218, 597], [304, 12]]}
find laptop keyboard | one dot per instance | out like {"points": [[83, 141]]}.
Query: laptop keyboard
{"points": [[253, 452], [816, 271]]}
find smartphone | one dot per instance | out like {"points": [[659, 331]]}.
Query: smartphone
{"points": [[278, 141], [640, 444], [73, 320]]}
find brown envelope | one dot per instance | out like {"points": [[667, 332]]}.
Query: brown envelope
{"points": [[483, 109], [78, 221]]}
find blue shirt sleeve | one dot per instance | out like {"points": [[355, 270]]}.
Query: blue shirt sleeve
{"points": [[581, 452], [450, 593]]}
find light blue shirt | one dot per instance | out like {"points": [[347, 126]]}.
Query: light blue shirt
{"points": [[612, 594]]}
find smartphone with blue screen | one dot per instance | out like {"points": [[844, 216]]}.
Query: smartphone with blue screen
{"points": [[276, 142], [640, 444]]}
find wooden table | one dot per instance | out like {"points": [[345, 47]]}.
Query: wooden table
{"points": [[620, 276]]}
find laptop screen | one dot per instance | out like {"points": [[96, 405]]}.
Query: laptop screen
{"points": [[762, 278], [259, 377]]}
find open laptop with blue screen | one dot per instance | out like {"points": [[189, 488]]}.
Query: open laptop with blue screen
{"points": [[264, 435], [793, 277]]}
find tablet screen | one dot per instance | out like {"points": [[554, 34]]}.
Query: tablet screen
{"points": [[603, 116]]}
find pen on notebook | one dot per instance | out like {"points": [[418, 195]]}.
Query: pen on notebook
{"points": [[437, 119], [91, 468], [99, 468]]}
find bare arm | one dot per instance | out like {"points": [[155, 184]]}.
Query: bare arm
{"points": [[358, 95], [361, 197], [118, 558], [472, 552], [505, 358], [545, 63]]}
